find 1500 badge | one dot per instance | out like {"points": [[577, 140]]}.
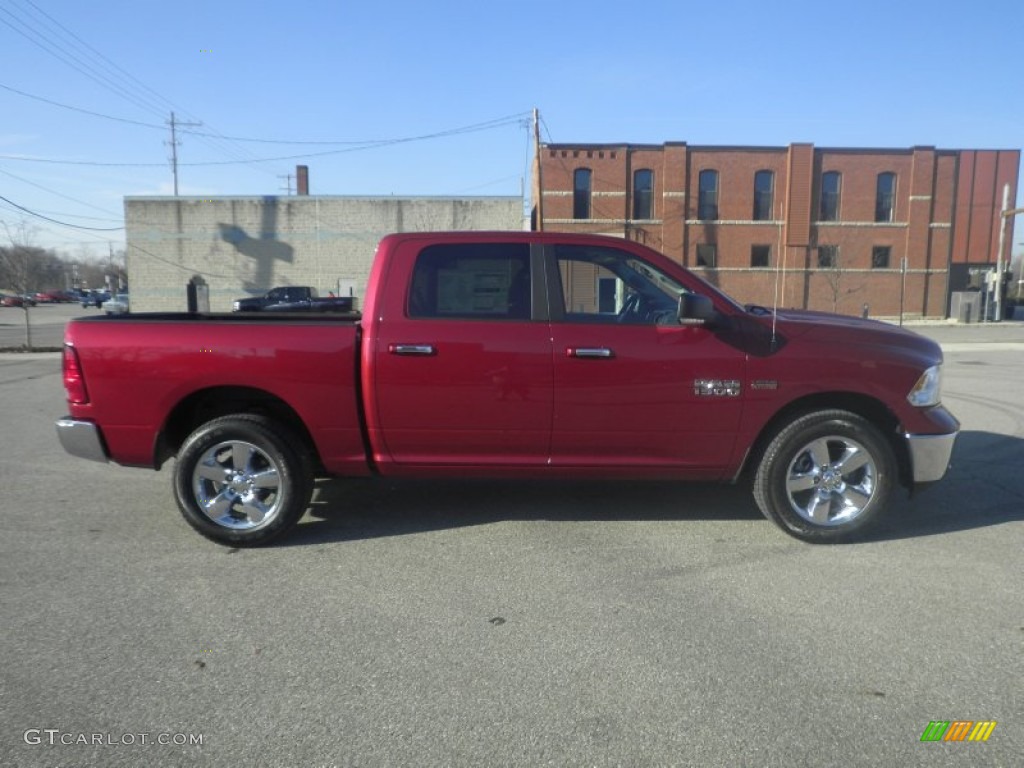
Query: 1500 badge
{"points": [[716, 387]]}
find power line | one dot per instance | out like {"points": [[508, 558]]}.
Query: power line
{"points": [[129, 121], [55, 221], [91, 69], [80, 109], [41, 41], [60, 194], [489, 125]]}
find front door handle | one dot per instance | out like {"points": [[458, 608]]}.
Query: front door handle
{"points": [[601, 353], [422, 350]]}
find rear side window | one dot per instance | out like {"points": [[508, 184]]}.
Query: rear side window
{"points": [[472, 280]]}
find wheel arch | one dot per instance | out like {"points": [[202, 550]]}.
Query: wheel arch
{"points": [[869, 408], [207, 404]]}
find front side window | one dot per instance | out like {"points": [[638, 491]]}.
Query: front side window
{"points": [[831, 187], [581, 193], [764, 189], [605, 285], [643, 194], [885, 196], [472, 281], [707, 191]]}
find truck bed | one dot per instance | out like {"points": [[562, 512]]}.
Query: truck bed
{"points": [[149, 372]]}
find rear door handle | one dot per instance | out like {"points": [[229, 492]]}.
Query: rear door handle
{"points": [[591, 352], [422, 350]]}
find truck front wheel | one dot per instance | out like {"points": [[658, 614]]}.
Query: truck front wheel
{"points": [[826, 477], [242, 480]]}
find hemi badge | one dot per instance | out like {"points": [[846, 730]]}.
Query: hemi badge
{"points": [[764, 384], [716, 387]]}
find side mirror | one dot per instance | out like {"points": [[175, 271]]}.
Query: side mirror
{"points": [[695, 309]]}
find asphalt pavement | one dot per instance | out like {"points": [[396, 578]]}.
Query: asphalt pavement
{"points": [[511, 624]]}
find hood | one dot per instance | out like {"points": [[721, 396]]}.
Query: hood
{"points": [[827, 328]]}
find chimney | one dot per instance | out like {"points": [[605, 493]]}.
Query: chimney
{"points": [[302, 179]]}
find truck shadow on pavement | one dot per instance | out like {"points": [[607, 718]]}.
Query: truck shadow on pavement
{"points": [[984, 487], [371, 508]]}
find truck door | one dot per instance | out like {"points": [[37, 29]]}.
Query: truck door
{"points": [[463, 373], [633, 387]]}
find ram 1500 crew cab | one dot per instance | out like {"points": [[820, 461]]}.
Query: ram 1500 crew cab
{"points": [[513, 354]]}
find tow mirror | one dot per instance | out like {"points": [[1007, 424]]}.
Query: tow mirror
{"points": [[695, 309]]}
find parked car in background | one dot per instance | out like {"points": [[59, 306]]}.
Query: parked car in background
{"points": [[95, 298], [18, 301], [293, 298], [117, 305]]}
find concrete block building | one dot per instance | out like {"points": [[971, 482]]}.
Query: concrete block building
{"points": [[832, 229], [241, 246]]}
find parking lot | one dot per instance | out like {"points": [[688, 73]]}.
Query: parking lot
{"points": [[47, 323], [478, 624]]}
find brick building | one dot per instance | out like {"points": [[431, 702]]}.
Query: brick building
{"points": [[819, 228]]}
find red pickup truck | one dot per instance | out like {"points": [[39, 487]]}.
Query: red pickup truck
{"points": [[513, 354]]}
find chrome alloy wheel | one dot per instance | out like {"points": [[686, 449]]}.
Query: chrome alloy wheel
{"points": [[831, 480], [237, 485]]}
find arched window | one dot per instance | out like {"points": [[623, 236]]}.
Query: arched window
{"points": [[764, 192], [643, 194], [831, 187], [707, 195], [581, 193], [885, 198]]}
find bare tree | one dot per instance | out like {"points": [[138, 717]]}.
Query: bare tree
{"points": [[17, 267], [833, 271]]}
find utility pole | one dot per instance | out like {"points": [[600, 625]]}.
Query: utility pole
{"points": [[540, 177], [1005, 214], [288, 181], [174, 146]]}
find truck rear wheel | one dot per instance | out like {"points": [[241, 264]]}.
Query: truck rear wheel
{"points": [[242, 480], [826, 477]]}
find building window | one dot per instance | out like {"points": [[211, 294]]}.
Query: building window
{"points": [[880, 257], [764, 188], [885, 199], [581, 193], [707, 255], [707, 200], [760, 255], [643, 194], [828, 256], [831, 186]]}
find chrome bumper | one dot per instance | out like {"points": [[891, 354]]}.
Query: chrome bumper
{"points": [[929, 456], [82, 439]]}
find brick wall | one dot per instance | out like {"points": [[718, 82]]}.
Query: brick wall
{"points": [[945, 212]]}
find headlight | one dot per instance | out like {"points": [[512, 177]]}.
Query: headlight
{"points": [[927, 389]]}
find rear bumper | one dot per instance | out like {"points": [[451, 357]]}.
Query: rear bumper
{"points": [[82, 439], [929, 456]]}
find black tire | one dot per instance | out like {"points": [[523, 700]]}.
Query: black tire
{"points": [[826, 477], [251, 503]]}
